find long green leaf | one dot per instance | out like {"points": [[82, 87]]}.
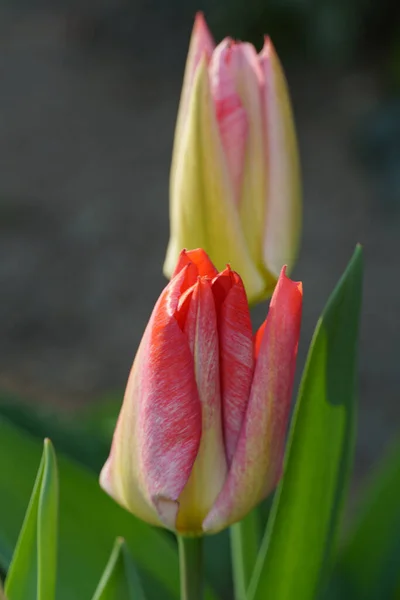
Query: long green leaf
{"points": [[297, 546], [89, 523], [120, 580], [32, 573], [369, 562]]}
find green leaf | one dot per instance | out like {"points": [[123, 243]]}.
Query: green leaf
{"points": [[89, 522], [32, 572], [120, 580], [369, 562], [297, 546]]}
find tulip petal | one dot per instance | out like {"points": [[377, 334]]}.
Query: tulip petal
{"points": [[231, 116], [202, 206], [236, 354], [242, 61], [159, 428], [204, 266], [201, 47], [209, 470], [257, 461], [283, 200]]}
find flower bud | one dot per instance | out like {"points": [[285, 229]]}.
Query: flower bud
{"points": [[235, 177], [200, 437]]}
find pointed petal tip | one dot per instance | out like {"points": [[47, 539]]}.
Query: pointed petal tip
{"points": [[268, 50], [285, 276], [202, 32], [200, 21], [199, 260], [267, 46]]}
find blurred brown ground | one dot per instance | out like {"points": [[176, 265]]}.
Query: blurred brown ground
{"points": [[85, 142]]}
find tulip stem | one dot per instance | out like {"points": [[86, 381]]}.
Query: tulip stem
{"points": [[244, 549], [191, 567]]}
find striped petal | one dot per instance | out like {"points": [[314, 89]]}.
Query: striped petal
{"points": [[159, 428], [282, 220], [236, 354], [231, 115], [257, 460], [202, 205], [209, 470], [248, 77]]}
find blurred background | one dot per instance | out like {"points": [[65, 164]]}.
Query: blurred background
{"points": [[89, 95]]}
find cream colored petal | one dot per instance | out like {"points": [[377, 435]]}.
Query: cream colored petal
{"points": [[282, 221], [201, 47]]}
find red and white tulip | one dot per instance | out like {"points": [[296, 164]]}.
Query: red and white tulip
{"points": [[201, 432]]}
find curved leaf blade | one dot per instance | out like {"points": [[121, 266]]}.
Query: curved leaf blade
{"points": [[48, 526], [297, 546], [32, 572], [120, 580]]}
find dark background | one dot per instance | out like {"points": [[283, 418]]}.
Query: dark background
{"points": [[89, 95]]}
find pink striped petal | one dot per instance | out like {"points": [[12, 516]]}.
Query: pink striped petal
{"points": [[236, 354], [257, 461], [231, 116], [282, 219], [248, 81], [209, 470], [159, 428]]}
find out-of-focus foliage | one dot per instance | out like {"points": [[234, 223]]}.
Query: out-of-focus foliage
{"points": [[85, 439], [369, 562]]}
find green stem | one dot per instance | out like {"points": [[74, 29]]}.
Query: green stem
{"points": [[191, 567], [244, 549]]}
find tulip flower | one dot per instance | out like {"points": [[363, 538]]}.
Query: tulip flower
{"points": [[235, 178], [200, 437]]}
